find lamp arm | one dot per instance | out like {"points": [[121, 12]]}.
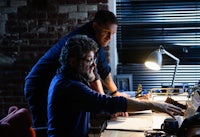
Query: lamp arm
{"points": [[163, 51]]}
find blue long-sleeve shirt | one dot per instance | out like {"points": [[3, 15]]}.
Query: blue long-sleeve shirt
{"points": [[38, 80], [70, 103], [48, 63]]}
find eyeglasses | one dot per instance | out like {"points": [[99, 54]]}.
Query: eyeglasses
{"points": [[90, 61]]}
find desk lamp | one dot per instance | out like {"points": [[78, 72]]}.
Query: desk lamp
{"points": [[154, 61]]}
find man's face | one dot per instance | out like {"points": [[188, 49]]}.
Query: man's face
{"points": [[104, 33], [87, 65]]}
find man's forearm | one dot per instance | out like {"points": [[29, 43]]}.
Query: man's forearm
{"points": [[138, 105], [109, 83], [97, 86]]}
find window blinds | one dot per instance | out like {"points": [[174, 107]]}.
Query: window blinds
{"points": [[145, 25]]}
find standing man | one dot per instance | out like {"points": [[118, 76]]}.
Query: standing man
{"points": [[37, 82], [70, 98]]}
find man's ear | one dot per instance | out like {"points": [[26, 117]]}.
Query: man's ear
{"points": [[94, 25]]}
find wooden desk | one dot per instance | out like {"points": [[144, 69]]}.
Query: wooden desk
{"points": [[131, 133], [147, 117], [110, 133]]}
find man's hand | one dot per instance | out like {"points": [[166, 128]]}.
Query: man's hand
{"points": [[167, 108], [121, 94], [123, 114]]}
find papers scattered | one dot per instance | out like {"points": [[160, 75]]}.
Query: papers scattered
{"points": [[131, 123]]}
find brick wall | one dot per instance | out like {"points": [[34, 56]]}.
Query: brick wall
{"points": [[27, 29]]}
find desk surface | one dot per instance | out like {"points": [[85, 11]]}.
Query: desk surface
{"points": [[110, 133], [151, 118]]}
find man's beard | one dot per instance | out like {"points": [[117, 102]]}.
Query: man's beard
{"points": [[89, 77]]}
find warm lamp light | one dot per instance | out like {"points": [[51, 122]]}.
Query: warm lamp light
{"points": [[154, 61]]}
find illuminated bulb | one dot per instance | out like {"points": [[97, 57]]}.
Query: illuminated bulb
{"points": [[152, 65]]}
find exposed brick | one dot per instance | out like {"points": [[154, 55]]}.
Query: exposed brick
{"points": [[41, 15], [38, 42], [30, 15], [53, 15], [84, 7], [42, 23], [23, 9], [18, 29], [12, 16], [78, 15], [102, 7], [80, 1], [81, 22], [67, 8], [28, 32], [53, 21], [51, 29], [97, 1], [29, 35], [9, 9], [72, 1], [46, 35], [3, 3], [52, 8], [17, 3], [52, 41]]}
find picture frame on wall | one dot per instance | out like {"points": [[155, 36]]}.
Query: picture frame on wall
{"points": [[124, 82]]}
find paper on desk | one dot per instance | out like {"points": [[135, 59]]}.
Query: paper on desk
{"points": [[158, 120], [142, 112], [181, 97], [131, 123]]}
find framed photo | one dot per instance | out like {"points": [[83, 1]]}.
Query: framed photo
{"points": [[124, 82]]}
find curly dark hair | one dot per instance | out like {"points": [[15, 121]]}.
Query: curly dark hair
{"points": [[76, 47]]}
